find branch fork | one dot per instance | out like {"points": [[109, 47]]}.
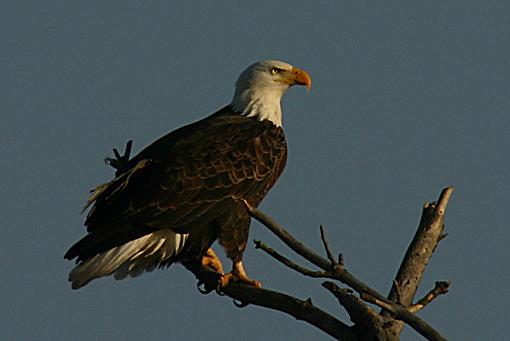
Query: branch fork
{"points": [[397, 308]]}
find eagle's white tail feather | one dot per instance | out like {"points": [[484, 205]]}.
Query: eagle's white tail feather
{"points": [[130, 259]]}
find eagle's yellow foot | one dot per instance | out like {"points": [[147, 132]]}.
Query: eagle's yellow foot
{"points": [[211, 261], [238, 275]]}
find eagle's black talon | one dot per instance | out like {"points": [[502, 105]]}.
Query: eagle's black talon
{"points": [[240, 304], [120, 162], [205, 290], [116, 153], [127, 150], [219, 288]]}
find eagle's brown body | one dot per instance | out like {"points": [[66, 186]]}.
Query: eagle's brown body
{"points": [[191, 181]]}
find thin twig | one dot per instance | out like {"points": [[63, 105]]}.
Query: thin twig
{"points": [[287, 262], [295, 245], [327, 248], [440, 288], [341, 260]]}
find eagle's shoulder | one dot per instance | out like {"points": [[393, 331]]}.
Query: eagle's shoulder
{"points": [[225, 127]]}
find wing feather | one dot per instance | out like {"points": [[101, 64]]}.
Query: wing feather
{"points": [[199, 176]]}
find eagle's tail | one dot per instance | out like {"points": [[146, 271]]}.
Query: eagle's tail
{"points": [[131, 258]]}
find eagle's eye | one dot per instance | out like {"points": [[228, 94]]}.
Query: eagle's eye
{"points": [[274, 70]]}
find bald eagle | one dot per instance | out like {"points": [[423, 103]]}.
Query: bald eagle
{"points": [[186, 190]]}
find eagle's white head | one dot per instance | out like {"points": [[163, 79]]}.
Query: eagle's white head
{"points": [[260, 87]]}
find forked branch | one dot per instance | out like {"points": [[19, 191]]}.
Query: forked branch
{"points": [[431, 222], [441, 288]]}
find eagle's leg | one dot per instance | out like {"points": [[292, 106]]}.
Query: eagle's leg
{"points": [[233, 236], [211, 261], [238, 275]]}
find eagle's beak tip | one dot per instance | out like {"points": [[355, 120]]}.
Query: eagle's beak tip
{"points": [[302, 77]]}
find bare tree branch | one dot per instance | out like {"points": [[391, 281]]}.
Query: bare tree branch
{"points": [[287, 262], [300, 309], [331, 258], [341, 274], [383, 326], [294, 244], [428, 235], [440, 288], [358, 311]]}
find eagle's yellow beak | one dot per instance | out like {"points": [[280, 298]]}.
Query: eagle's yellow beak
{"points": [[300, 77]]}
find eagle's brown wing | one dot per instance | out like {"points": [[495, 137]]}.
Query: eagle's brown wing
{"points": [[201, 175]]}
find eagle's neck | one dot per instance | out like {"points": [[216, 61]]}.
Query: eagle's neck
{"points": [[260, 103]]}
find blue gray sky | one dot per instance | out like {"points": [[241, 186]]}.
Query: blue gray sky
{"points": [[408, 97]]}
